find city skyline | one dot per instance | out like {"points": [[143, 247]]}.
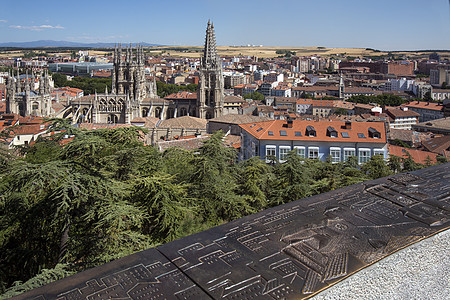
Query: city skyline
{"points": [[384, 25]]}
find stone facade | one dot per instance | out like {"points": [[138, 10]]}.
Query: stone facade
{"points": [[210, 95], [126, 100], [23, 99], [133, 96]]}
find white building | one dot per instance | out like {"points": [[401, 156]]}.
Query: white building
{"points": [[272, 77], [402, 118], [266, 88], [428, 111], [440, 94], [314, 139], [402, 84], [281, 91]]}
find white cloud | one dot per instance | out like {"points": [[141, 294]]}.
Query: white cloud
{"points": [[3, 21], [36, 28]]}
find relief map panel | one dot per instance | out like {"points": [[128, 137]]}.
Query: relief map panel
{"points": [[288, 252]]}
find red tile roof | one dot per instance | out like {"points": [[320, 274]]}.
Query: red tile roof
{"points": [[182, 95], [417, 155], [233, 99], [323, 103], [2, 107], [438, 144], [400, 113], [188, 144], [30, 120], [94, 126], [356, 90], [425, 105], [316, 88], [28, 129], [305, 101], [261, 130]]}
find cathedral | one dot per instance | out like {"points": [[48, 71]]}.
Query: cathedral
{"points": [[25, 99], [132, 96], [129, 89]]}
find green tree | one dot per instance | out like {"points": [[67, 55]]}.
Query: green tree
{"points": [[427, 96], [165, 202], [214, 182], [255, 181], [254, 96], [60, 80], [395, 164], [340, 111], [441, 159], [409, 164], [376, 167], [294, 178], [428, 161]]}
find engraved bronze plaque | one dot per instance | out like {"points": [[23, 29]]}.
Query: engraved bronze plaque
{"points": [[291, 251]]}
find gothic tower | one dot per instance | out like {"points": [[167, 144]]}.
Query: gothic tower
{"points": [[210, 90], [128, 76], [24, 99], [341, 87]]}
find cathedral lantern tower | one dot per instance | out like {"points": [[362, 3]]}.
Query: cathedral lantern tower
{"points": [[210, 92]]}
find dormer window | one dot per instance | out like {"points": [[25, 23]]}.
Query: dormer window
{"points": [[331, 132], [373, 133], [310, 131]]}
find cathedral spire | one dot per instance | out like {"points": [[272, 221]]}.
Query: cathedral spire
{"points": [[210, 90], [341, 87], [210, 57]]}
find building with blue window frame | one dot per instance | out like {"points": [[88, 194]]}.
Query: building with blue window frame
{"points": [[314, 139]]}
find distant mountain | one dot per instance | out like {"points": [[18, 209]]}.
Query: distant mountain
{"points": [[50, 43]]}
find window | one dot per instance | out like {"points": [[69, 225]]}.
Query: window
{"points": [[310, 131], [270, 132], [373, 133], [349, 152], [284, 150], [283, 133], [331, 132], [313, 152], [271, 150], [364, 155], [300, 151], [298, 133], [335, 154], [378, 152], [345, 134], [259, 129], [361, 135]]}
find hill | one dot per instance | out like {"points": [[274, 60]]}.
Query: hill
{"points": [[56, 44]]}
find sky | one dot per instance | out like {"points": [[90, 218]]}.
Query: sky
{"points": [[381, 24]]}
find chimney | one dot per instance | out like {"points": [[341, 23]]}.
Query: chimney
{"points": [[289, 123], [348, 125]]}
